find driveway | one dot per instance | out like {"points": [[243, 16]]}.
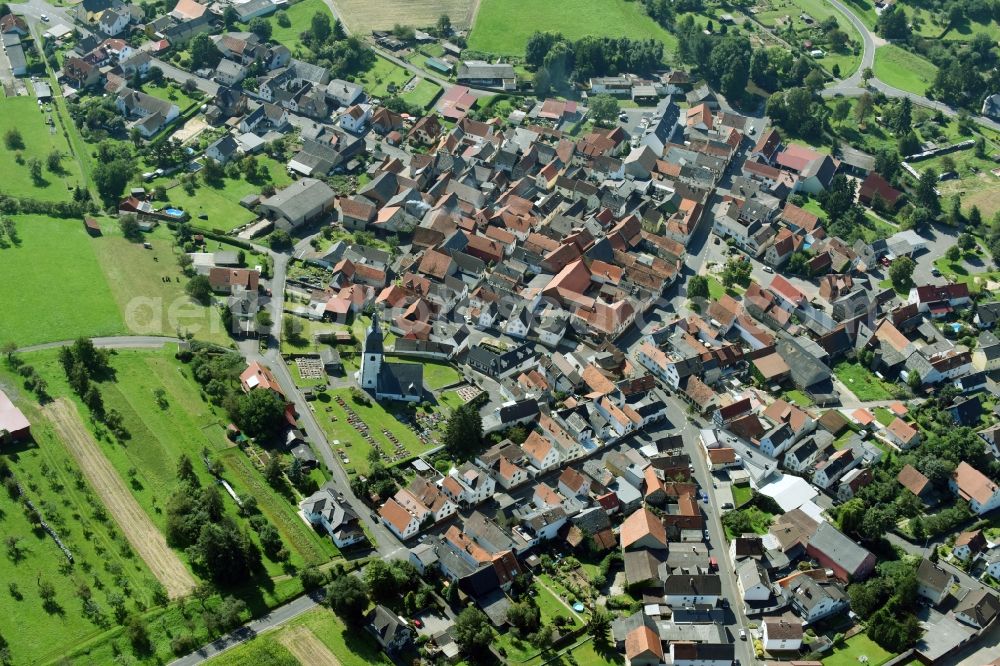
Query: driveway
{"points": [[180, 76]]}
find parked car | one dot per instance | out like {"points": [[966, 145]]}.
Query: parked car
{"points": [[768, 269], [743, 634], [418, 623]]}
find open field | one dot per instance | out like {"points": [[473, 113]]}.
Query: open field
{"points": [[359, 16], [348, 647], [148, 287], [37, 633], [39, 140], [857, 646], [308, 649], [52, 286], [904, 70], [495, 32], [333, 419], [139, 529]]}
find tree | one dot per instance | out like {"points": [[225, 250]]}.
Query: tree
{"points": [[737, 271], [909, 143], [927, 195], [901, 272], [280, 240], [348, 599], [203, 52], [604, 109], [901, 118], [953, 253], [525, 616], [815, 80], [975, 221], [841, 109], [213, 173], [380, 581], [8, 349], [542, 82], [13, 139], [54, 162], [473, 632], [599, 624], [443, 25], [261, 27], [320, 28], [129, 226], [697, 287], [35, 169], [260, 413], [272, 472], [867, 75], [464, 430], [230, 17], [199, 289], [110, 178], [892, 23], [887, 163]]}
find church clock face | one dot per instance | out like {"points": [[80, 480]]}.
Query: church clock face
{"points": [[371, 358]]}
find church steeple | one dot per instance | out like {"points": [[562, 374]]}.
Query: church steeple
{"points": [[371, 355]]}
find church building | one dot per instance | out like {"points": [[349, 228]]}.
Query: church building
{"points": [[393, 381]]}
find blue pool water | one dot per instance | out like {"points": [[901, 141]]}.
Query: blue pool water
{"points": [[173, 212]]}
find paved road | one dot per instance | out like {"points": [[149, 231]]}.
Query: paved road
{"points": [[179, 75], [852, 86], [114, 342], [275, 618]]}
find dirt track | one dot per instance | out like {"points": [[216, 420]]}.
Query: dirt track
{"points": [[135, 524], [309, 650]]}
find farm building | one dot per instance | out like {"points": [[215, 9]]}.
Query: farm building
{"points": [[14, 426]]}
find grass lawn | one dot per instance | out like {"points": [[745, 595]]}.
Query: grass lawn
{"points": [[437, 375], [351, 647], [884, 416], [844, 438], [863, 383], [52, 286], [172, 93], [383, 73], [377, 417], [583, 653], [39, 140], [969, 269], [742, 494], [494, 32], [423, 94], [800, 398], [300, 18], [813, 207], [855, 647], [904, 70], [221, 204]]}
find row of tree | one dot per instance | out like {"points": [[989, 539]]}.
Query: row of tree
{"points": [[559, 62]]}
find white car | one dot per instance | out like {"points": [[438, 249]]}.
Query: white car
{"points": [[743, 634], [44, 17], [768, 269]]}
